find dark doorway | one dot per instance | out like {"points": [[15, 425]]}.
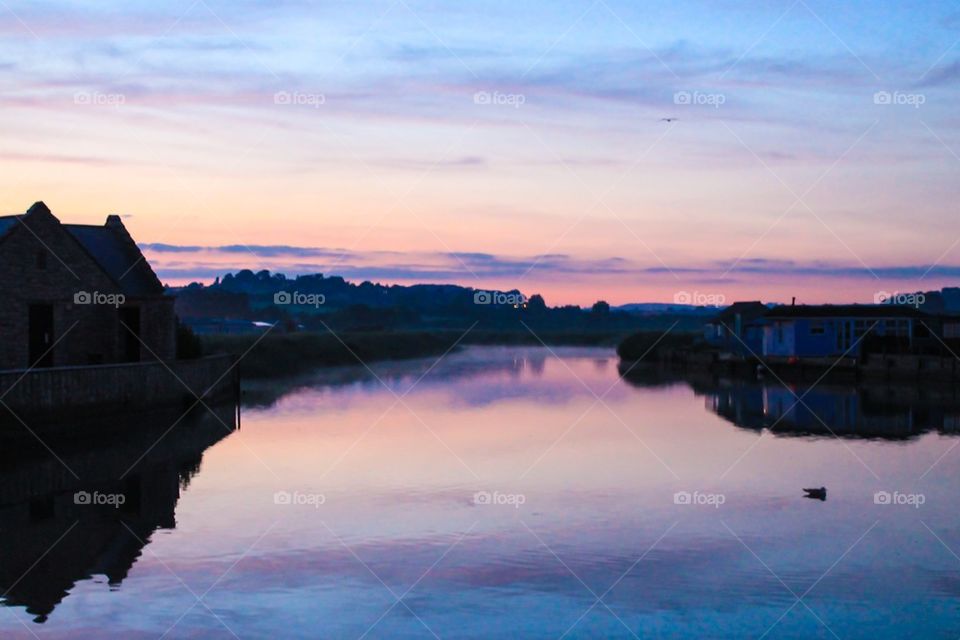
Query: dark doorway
{"points": [[41, 335], [130, 334]]}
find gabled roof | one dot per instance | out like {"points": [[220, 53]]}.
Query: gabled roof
{"points": [[746, 310], [7, 223], [10, 222], [118, 255], [109, 245], [845, 311]]}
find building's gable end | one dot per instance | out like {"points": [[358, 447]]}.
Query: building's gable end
{"points": [[119, 256], [40, 260]]}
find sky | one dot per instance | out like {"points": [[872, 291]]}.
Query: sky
{"points": [[810, 148]]}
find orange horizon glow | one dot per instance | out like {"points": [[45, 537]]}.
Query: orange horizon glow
{"points": [[775, 176]]}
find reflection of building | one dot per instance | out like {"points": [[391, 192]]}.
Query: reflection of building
{"points": [[865, 410], [50, 539], [843, 411], [868, 409], [739, 403], [846, 411]]}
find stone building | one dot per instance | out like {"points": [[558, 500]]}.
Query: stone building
{"points": [[74, 294]]}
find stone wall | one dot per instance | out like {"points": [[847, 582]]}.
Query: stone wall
{"points": [[41, 263], [42, 397]]}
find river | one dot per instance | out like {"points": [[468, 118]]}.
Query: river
{"points": [[503, 492]]}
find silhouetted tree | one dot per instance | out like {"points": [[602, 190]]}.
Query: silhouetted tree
{"points": [[600, 307], [188, 344]]}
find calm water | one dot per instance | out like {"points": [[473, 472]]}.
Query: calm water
{"points": [[494, 495]]}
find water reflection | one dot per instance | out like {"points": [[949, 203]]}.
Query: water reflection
{"points": [[509, 363], [90, 508], [399, 454], [865, 410]]}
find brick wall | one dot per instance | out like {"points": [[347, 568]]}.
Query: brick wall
{"points": [[44, 396], [40, 263]]}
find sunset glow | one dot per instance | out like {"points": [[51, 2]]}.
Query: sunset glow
{"points": [[814, 152]]}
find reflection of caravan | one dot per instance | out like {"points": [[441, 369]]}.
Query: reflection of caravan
{"points": [[820, 411], [56, 530], [741, 404], [866, 411], [846, 411]]}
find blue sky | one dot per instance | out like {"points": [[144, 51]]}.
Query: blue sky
{"points": [[515, 130]]}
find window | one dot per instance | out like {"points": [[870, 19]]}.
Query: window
{"points": [[817, 328], [42, 259], [844, 329], [860, 328]]}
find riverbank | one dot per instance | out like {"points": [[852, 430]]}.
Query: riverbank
{"points": [[289, 354], [881, 367], [653, 346]]}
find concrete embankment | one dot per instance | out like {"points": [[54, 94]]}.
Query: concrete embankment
{"points": [[41, 397]]}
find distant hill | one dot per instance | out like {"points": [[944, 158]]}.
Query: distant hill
{"points": [[246, 301], [266, 295]]}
